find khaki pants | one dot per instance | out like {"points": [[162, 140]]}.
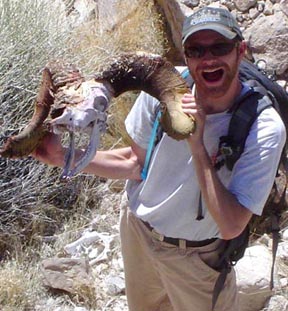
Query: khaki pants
{"points": [[164, 277]]}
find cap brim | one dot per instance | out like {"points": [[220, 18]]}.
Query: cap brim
{"points": [[222, 30]]}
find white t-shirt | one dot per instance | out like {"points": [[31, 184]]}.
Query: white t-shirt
{"points": [[169, 198]]}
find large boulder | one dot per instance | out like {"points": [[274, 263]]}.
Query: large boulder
{"points": [[264, 26], [175, 13], [253, 278], [66, 274], [268, 40]]}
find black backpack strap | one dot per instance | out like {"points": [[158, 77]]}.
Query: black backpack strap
{"points": [[250, 71], [234, 250], [245, 112], [226, 269], [279, 96]]}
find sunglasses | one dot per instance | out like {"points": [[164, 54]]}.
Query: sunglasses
{"points": [[217, 49]]}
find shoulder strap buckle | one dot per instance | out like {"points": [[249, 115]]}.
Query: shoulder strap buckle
{"points": [[226, 150]]}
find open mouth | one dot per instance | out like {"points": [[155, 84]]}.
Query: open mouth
{"points": [[213, 75]]}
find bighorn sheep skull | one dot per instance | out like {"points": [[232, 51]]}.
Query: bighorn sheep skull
{"points": [[67, 101]]}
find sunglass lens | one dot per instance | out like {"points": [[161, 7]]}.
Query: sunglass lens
{"points": [[218, 49], [195, 51], [221, 49]]}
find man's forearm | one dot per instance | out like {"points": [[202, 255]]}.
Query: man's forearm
{"points": [[121, 163], [115, 164], [228, 213]]}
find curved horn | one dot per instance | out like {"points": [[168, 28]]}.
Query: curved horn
{"points": [[63, 90], [54, 76], [157, 77], [26, 141]]}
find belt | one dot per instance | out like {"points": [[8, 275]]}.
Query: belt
{"points": [[178, 242]]}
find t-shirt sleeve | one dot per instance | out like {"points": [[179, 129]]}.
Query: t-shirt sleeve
{"points": [[140, 120], [254, 173]]}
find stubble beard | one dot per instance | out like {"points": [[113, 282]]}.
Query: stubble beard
{"points": [[206, 91]]}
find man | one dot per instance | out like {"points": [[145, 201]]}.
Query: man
{"points": [[179, 217]]}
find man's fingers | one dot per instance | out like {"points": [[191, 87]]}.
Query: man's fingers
{"points": [[188, 98]]}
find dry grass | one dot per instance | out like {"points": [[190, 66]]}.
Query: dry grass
{"points": [[32, 33], [138, 27], [38, 215], [34, 206], [20, 286]]}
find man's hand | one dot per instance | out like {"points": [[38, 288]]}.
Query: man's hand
{"points": [[89, 116], [50, 151], [191, 108]]}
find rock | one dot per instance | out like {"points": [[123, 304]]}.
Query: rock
{"points": [[115, 285], [283, 282], [84, 8], [260, 6], [268, 10], [245, 5], [191, 3], [284, 7], [230, 5], [265, 28], [265, 240], [285, 233], [66, 274], [264, 24], [282, 251], [253, 278], [277, 303], [253, 13], [175, 13], [271, 47]]}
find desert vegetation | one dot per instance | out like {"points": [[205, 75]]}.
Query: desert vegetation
{"points": [[38, 214]]}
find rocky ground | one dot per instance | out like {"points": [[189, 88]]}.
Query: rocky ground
{"points": [[102, 269], [93, 260], [264, 27]]}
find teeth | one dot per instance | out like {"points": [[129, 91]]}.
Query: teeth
{"points": [[211, 70]]}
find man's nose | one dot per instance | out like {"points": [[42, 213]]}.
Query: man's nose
{"points": [[207, 53]]}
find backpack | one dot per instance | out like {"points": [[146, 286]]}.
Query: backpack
{"points": [[266, 93], [265, 90]]}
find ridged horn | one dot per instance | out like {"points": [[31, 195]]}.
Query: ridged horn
{"points": [[26, 141], [63, 86], [159, 78]]}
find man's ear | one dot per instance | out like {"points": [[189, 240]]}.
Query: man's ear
{"points": [[242, 48], [185, 59]]}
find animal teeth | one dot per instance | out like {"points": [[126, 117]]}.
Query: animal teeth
{"points": [[62, 85], [69, 158], [90, 152]]}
